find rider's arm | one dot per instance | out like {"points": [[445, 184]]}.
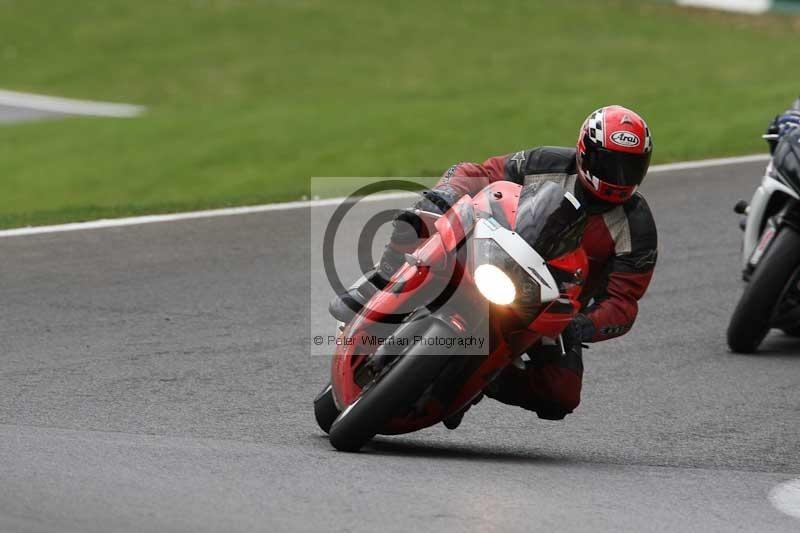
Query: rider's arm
{"points": [[460, 179], [470, 178], [614, 310]]}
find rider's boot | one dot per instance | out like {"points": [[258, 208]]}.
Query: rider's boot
{"points": [[347, 305], [453, 421]]}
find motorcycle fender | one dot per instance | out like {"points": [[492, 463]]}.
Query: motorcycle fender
{"points": [[756, 213], [763, 244]]}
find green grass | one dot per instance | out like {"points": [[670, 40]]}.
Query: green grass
{"points": [[248, 99]]}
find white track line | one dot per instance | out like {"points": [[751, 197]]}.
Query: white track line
{"points": [[691, 165], [68, 106], [786, 498], [306, 204], [209, 213]]}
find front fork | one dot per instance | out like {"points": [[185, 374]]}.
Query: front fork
{"points": [[789, 215], [758, 213]]}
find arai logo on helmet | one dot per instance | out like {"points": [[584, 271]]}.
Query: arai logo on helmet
{"points": [[625, 138]]}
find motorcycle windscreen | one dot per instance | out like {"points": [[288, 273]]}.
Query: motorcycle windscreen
{"points": [[786, 158], [550, 219]]}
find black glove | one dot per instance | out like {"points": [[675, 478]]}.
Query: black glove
{"points": [[781, 125], [580, 330]]}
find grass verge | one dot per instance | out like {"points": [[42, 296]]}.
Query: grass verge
{"points": [[248, 99]]}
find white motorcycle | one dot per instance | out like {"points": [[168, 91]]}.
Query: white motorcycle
{"points": [[771, 250]]}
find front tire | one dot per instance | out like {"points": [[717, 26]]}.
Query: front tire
{"points": [[750, 322], [402, 385]]}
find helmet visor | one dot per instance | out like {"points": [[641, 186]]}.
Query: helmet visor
{"points": [[616, 168]]}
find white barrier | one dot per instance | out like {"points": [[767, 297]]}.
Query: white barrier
{"points": [[744, 6]]}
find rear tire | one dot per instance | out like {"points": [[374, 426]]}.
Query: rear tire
{"points": [[750, 322], [325, 410], [402, 385]]}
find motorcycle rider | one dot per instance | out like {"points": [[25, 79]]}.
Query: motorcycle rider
{"points": [[603, 172], [782, 124]]}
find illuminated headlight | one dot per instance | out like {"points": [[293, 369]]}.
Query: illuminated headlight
{"points": [[495, 284]]}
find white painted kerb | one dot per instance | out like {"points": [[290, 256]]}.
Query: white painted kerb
{"points": [[744, 6], [68, 106], [786, 498]]}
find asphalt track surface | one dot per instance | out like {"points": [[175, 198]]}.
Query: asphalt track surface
{"points": [[158, 378]]}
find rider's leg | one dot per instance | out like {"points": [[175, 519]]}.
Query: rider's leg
{"points": [[550, 385]]}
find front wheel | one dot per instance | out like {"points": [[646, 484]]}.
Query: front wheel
{"points": [[750, 322], [400, 386]]}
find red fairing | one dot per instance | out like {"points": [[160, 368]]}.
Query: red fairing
{"points": [[578, 262], [557, 316], [501, 201], [349, 356], [456, 223]]}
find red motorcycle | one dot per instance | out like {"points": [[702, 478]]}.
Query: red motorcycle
{"points": [[507, 262]]}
